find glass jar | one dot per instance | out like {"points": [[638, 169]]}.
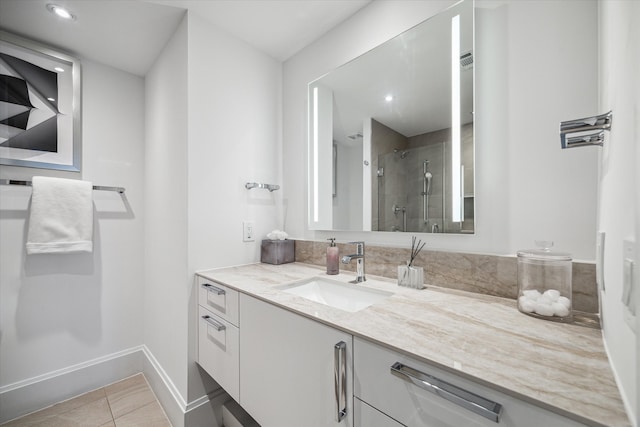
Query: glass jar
{"points": [[544, 283]]}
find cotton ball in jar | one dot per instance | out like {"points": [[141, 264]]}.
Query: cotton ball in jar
{"points": [[543, 309], [565, 301], [527, 305], [533, 294], [559, 309], [552, 294]]}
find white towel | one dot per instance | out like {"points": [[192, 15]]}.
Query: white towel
{"points": [[61, 218]]}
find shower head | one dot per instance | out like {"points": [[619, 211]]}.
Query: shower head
{"points": [[403, 153], [428, 176]]}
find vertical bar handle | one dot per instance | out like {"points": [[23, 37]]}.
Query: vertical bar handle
{"points": [[340, 378], [213, 289]]}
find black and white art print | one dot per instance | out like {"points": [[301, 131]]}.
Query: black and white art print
{"points": [[39, 106]]}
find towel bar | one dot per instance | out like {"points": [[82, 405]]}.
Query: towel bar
{"points": [[586, 131], [120, 190]]}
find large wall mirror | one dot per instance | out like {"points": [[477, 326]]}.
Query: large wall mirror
{"points": [[391, 137]]}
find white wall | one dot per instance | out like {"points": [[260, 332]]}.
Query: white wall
{"points": [[183, 141], [213, 124], [234, 127], [60, 310], [552, 192], [618, 212], [527, 81], [166, 294]]}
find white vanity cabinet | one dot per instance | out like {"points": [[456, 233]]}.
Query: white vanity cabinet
{"points": [[421, 395], [365, 415], [293, 371], [219, 335]]}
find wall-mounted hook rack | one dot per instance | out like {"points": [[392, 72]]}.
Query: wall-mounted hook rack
{"points": [[586, 131], [270, 187]]}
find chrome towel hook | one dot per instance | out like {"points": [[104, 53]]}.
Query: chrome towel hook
{"points": [[270, 187]]}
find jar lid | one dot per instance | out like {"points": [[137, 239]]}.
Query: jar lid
{"points": [[543, 252]]}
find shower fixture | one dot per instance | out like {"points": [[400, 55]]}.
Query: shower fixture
{"points": [[403, 153], [395, 209], [428, 176], [426, 189]]}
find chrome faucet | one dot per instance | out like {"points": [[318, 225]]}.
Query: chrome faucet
{"points": [[359, 257]]}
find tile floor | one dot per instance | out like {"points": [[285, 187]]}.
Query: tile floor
{"points": [[128, 403]]}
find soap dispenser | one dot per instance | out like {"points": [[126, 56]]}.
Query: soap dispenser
{"points": [[333, 266]]}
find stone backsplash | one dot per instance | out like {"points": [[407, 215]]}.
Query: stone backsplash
{"points": [[484, 274]]}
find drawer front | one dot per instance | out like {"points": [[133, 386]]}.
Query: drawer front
{"points": [[404, 394], [218, 298], [368, 416], [219, 350]]}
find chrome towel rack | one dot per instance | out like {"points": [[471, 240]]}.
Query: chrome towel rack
{"points": [[586, 131], [120, 190], [270, 187]]}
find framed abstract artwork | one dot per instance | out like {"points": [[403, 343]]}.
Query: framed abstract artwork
{"points": [[40, 111]]}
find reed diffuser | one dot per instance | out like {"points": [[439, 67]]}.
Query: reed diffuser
{"points": [[409, 275]]}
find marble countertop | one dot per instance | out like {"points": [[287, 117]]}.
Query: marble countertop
{"points": [[561, 367]]}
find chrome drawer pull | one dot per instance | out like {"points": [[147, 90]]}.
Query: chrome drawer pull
{"points": [[219, 326], [340, 378], [213, 289], [466, 399]]}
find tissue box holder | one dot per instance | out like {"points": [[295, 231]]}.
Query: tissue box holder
{"points": [[277, 251]]}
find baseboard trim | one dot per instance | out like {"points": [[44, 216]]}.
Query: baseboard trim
{"points": [[39, 392], [203, 411], [30, 395]]}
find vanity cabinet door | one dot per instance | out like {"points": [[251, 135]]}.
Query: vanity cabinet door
{"points": [[218, 350], [365, 415], [293, 370]]}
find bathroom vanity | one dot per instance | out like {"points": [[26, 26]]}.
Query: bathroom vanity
{"points": [[432, 357]]}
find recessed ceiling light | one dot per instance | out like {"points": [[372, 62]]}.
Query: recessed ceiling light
{"points": [[388, 98], [59, 69], [61, 12], [51, 99]]}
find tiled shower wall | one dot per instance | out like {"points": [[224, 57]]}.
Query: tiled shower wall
{"points": [[484, 274], [398, 180]]}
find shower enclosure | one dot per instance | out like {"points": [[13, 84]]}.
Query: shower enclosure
{"points": [[412, 189]]}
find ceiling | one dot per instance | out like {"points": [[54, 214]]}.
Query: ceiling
{"points": [[278, 27], [130, 34]]}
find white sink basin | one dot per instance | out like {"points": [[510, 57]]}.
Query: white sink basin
{"points": [[345, 296]]}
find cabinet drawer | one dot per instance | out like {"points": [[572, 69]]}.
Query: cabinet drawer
{"points": [[368, 416], [218, 298], [415, 403], [219, 350]]}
